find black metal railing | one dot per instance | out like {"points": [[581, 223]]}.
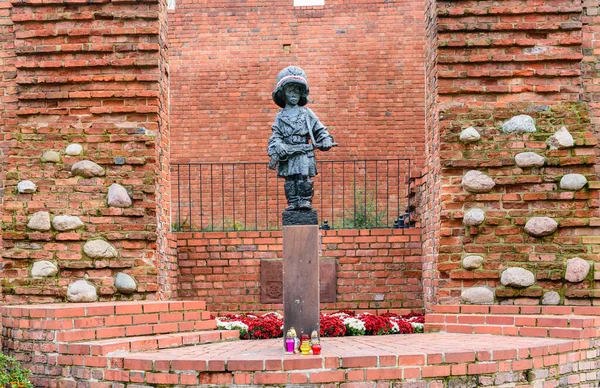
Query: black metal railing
{"points": [[349, 194]]}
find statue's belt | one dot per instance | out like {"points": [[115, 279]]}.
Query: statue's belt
{"points": [[295, 139]]}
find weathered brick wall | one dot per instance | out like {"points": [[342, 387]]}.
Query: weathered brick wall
{"points": [[496, 61], [590, 64], [8, 88], [519, 195], [515, 51], [93, 352], [376, 269], [364, 62], [87, 74], [428, 205], [166, 242]]}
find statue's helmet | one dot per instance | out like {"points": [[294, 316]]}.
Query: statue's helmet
{"points": [[291, 74]]}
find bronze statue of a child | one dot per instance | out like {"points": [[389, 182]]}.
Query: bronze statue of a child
{"points": [[296, 133]]}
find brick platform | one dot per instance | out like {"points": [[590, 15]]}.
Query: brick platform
{"points": [[174, 343], [526, 321], [368, 360], [74, 342]]}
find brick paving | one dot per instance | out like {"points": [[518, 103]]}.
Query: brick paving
{"points": [[413, 349]]}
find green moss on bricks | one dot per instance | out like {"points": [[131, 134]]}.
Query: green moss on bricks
{"points": [[12, 175]]}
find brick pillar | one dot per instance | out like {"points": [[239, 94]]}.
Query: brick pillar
{"points": [[8, 88], [167, 242], [590, 65], [94, 75], [430, 188], [487, 64]]}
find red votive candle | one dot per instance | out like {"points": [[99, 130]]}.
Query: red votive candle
{"points": [[316, 349]]}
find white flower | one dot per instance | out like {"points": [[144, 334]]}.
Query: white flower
{"points": [[395, 327], [417, 325], [355, 324], [232, 325]]}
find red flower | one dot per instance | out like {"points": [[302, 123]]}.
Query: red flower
{"points": [[331, 326], [260, 327], [415, 317], [271, 325], [375, 325], [404, 327]]}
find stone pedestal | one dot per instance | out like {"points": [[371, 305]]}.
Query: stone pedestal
{"points": [[301, 278], [300, 217]]}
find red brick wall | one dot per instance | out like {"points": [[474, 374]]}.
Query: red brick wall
{"points": [[428, 207], [223, 269], [590, 65], [8, 89], [518, 50], [166, 244], [88, 74], [494, 62], [520, 194], [364, 62]]}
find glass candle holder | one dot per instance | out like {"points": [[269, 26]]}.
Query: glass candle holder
{"points": [[289, 345], [316, 349], [305, 347]]}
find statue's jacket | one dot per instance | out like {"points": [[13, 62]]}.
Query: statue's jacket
{"points": [[294, 131]]}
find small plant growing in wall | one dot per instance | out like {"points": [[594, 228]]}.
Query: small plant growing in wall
{"points": [[364, 214], [181, 226], [12, 374]]}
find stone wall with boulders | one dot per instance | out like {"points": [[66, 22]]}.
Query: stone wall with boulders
{"points": [[519, 206], [80, 204], [517, 153]]}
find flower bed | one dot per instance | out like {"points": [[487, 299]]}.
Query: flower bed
{"points": [[339, 324]]}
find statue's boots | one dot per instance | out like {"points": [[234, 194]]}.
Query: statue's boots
{"points": [[291, 194], [305, 192]]}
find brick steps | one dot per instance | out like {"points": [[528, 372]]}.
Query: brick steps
{"points": [[105, 320], [516, 310], [514, 322], [569, 321], [70, 310], [214, 357], [375, 359], [513, 330], [52, 326], [146, 343], [134, 330]]}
